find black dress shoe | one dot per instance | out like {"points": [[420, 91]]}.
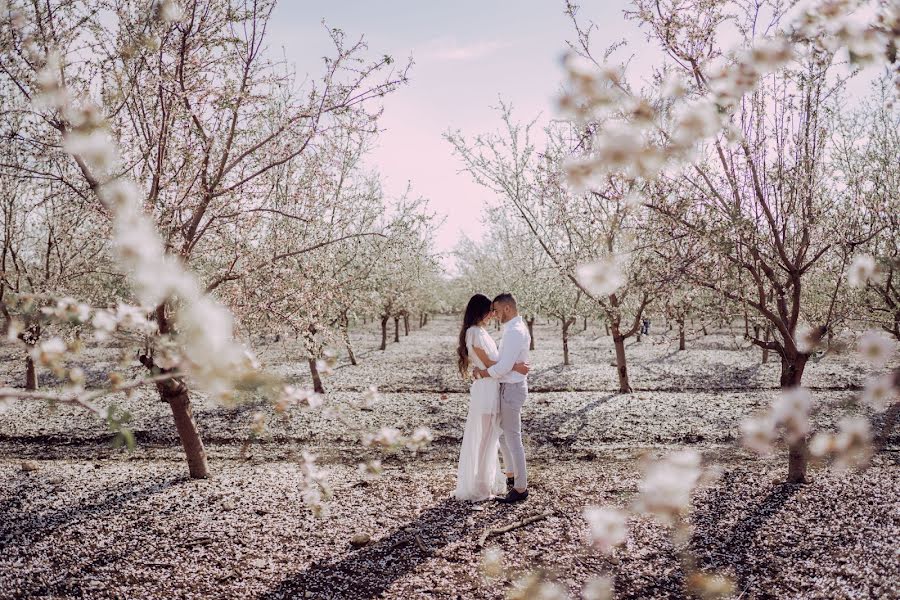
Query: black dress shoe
{"points": [[514, 495]]}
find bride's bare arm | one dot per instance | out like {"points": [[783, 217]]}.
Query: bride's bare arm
{"points": [[522, 368], [482, 355]]}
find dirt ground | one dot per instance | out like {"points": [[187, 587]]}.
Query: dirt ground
{"points": [[97, 522]]}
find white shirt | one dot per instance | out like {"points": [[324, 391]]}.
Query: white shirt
{"points": [[513, 348]]}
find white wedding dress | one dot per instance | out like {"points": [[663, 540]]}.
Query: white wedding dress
{"points": [[479, 476]]}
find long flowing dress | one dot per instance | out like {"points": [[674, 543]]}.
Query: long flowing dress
{"points": [[478, 475]]}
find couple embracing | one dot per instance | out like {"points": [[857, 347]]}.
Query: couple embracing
{"points": [[498, 392]]}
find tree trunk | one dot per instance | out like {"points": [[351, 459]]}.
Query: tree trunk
{"points": [[179, 400], [765, 351], [396, 329], [175, 392], [345, 332], [621, 364], [703, 329], [606, 327], [405, 324], [791, 376], [565, 339], [426, 319], [421, 320], [317, 379], [31, 382], [530, 323], [384, 323], [681, 334], [584, 325]]}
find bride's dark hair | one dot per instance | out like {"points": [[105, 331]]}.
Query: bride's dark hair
{"points": [[477, 309]]}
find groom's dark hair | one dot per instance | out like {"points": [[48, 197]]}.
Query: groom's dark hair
{"points": [[505, 298]]}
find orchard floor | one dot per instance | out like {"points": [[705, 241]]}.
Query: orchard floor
{"points": [[96, 522]]}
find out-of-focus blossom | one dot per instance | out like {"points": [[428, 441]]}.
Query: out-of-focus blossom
{"points": [[93, 146], [880, 392], [598, 588], [602, 277], [302, 397], [791, 411], [696, 122], [492, 563], [49, 351], [169, 11], [370, 397], [861, 270], [327, 363], [387, 437], [420, 439], [807, 338], [759, 433], [666, 488], [607, 527], [370, 468], [876, 348], [850, 447]]}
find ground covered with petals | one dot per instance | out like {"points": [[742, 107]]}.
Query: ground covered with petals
{"points": [[82, 519]]}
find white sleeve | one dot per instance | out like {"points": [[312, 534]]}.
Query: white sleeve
{"points": [[513, 342]]}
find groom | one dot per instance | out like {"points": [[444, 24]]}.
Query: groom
{"points": [[513, 392]]}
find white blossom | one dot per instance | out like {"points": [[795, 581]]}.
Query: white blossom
{"points": [[492, 563], [93, 146], [598, 588], [666, 488], [791, 411], [419, 439], [170, 11], [876, 348], [602, 277], [759, 433], [861, 270], [879, 392], [607, 527]]}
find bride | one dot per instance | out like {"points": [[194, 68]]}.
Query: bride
{"points": [[478, 476]]}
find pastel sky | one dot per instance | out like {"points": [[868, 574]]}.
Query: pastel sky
{"points": [[467, 54]]}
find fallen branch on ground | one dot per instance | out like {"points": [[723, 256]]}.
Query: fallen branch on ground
{"points": [[518, 524]]}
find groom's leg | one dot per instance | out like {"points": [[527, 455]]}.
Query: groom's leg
{"points": [[504, 449], [511, 420]]}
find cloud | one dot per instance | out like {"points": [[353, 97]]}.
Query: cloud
{"points": [[450, 51]]}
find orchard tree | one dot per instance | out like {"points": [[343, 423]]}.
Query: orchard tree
{"points": [[201, 115], [590, 235]]}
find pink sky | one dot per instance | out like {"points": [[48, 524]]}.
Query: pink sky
{"points": [[467, 54]]}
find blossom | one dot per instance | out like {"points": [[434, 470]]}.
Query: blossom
{"points": [[370, 468], [807, 338], [419, 439], [673, 86], [771, 53], [370, 396], [791, 411], [607, 527], [326, 364], [695, 122], [666, 488], [49, 351], [169, 11], [861, 270], [93, 146], [386, 436], [602, 277], [303, 397], [758, 434], [598, 588], [492, 563], [876, 348], [879, 392]]}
